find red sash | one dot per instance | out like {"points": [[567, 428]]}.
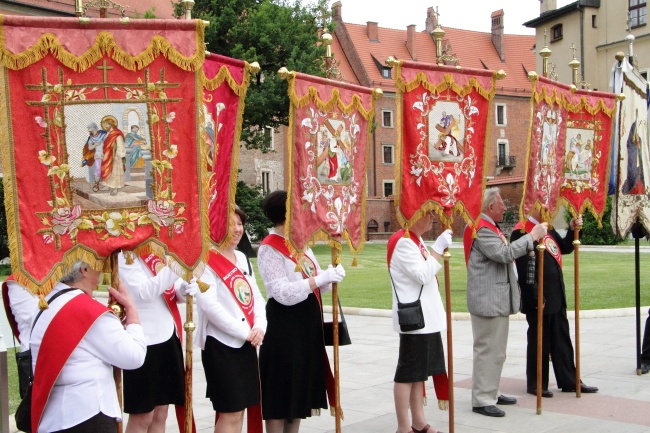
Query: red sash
{"points": [[235, 282], [468, 238], [308, 269], [10, 315], [392, 243], [64, 333], [154, 263], [549, 241]]}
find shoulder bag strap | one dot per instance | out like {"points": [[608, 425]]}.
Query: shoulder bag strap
{"points": [[391, 279]]}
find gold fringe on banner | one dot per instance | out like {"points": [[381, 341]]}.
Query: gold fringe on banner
{"points": [[104, 45]]}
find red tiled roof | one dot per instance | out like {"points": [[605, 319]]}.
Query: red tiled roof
{"points": [[163, 8], [474, 50]]}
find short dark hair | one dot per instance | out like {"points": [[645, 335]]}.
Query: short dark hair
{"points": [[242, 214], [274, 206]]}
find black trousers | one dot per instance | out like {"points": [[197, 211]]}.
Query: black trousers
{"points": [[645, 347], [556, 343]]}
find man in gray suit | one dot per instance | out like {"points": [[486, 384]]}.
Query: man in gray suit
{"points": [[492, 295]]}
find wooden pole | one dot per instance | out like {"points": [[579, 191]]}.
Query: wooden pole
{"points": [[541, 249], [119, 311], [576, 267], [335, 325], [446, 255], [189, 329]]}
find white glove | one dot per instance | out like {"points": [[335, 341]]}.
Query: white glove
{"points": [[443, 242], [191, 288], [329, 275], [339, 270]]}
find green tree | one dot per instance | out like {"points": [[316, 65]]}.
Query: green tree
{"points": [[4, 234], [274, 33], [249, 199], [591, 233]]}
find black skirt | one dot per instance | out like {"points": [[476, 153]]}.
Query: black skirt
{"points": [[160, 380], [232, 376], [420, 356], [292, 361]]}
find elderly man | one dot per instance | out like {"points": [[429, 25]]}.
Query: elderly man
{"points": [[492, 295]]}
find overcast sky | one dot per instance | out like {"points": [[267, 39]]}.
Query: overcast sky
{"points": [[460, 14]]}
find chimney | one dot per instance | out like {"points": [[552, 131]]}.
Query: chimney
{"points": [[410, 41], [547, 6], [373, 31], [497, 33], [431, 21], [336, 12]]}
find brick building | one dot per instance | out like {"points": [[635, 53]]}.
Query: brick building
{"points": [[362, 50]]}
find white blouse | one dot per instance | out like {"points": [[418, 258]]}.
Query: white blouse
{"points": [[24, 306]]}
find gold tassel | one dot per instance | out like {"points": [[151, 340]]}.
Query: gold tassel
{"points": [[332, 411], [42, 303], [354, 261], [406, 234], [203, 287], [443, 404], [128, 255]]}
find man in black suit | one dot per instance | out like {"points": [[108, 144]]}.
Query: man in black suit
{"points": [[556, 338]]}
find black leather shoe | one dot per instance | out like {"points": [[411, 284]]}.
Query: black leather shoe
{"points": [[583, 388], [545, 393], [506, 400], [489, 411], [645, 367]]}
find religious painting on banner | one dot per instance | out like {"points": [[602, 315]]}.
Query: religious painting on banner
{"points": [[100, 148], [329, 125], [225, 84], [569, 152], [632, 166], [442, 116]]}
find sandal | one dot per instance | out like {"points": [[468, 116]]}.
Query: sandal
{"points": [[425, 429]]}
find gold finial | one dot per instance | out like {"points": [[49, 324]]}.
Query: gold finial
{"points": [[500, 74], [188, 5], [254, 67]]}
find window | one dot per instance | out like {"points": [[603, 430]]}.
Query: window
{"points": [[388, 154], [269, 133], [389, 188], [594, 21], [266, 182], [501, 115], [556, 32], [502, 153], [385, 72], [637, 13], [387, 118]]}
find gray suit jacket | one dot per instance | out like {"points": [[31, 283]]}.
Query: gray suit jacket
{"points": [[492, 288]]}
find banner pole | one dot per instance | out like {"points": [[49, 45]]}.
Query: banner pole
{"points": [[446, 255], [541, 248], [576, 266], [118, 311], [189, 327], [335, 325]]}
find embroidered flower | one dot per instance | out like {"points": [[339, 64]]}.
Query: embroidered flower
{"points": [[114, 223], [179, 228], [45, 158], [66, 219], [170, 117], [172, 152], [161, 212], [39, 120], [48, 238]]}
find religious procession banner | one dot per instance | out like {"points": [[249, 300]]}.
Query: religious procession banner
{"points": [[99, 142], [225, 83], [329, 124], [569, 149], [632, 165], [442, 115]]}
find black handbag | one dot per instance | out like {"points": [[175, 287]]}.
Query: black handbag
{"points": [[24, 365], [409, 315], [328, 331]]}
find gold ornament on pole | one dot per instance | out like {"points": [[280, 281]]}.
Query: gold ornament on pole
{"points": [[545, 53]]}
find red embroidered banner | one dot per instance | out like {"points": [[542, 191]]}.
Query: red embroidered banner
{"points": [[225, 85], [330, 125], [100, 146], [442, 113], [569, 153]]}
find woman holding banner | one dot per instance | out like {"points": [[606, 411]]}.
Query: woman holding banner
{"points": [[230, 328], [292, 358], [413, 268]]}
